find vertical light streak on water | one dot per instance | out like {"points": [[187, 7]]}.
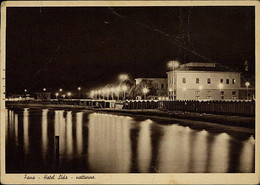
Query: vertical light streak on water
{"points": [[109, 143], [26, 131], [16, 129], [199, 154], [174, 149], [144, 147], [62, 125], [69, 137], [10, 124], [219, 162], [79, 137], [247, 156], [44, 132]]}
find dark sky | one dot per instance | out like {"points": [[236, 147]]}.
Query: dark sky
{"points": [[90, 46]]}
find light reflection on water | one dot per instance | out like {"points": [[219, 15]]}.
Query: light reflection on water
{"points": [[99, 142]]}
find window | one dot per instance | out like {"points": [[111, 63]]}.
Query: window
{"points": [[227, 81], [208, 92], [197, 80], [209, 81], [197, 92], [162, 86], [234, 97], [234, 93], [222, 92], [197, 97], [222, 97], [233, 81], [221, 80], [209, 97], [184, 80]]}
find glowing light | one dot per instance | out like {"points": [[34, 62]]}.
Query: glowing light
{"points": [[69, 93], [44, 89], [247, 84], [173, 64], [25, 90], [184, 89], [79, 88], [123, 77], [145, 90], [60, 90], [200, 87], [220, 86], [170, 89]]}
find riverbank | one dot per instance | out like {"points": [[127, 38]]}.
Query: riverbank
{"points": [[235, 121]]}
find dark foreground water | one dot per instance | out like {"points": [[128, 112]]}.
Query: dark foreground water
{"points": [[100, 142]]}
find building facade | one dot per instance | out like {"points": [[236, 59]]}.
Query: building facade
{"points": [[203, 81], [160, 84]]}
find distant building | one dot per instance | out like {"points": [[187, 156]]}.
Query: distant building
{"points": [[204, 81], [43, 95], [160, 84]]}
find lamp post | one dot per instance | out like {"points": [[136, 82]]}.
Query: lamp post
{"points": [[247, 85], [56, 94], [124, 89], [44, 89], [79, 88], [60, 89], [173, 64], [145, 91]]}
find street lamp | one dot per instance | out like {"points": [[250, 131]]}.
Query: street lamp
{"points": [[173, 65], [56, 94], [247, 85], [123, 77], [69, 94], [79, 88], [145, 91], [124, 89], [25, 90], [60, 90], [44, 89]]}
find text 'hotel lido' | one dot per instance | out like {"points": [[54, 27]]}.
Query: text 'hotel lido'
{"points": [[194, 80]]}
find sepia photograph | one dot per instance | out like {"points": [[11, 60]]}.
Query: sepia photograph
{"points": [[91, 89]]}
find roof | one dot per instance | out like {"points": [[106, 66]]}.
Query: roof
{"points": [[201, 66]]}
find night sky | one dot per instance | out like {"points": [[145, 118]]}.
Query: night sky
{"points": [[89, 46]]}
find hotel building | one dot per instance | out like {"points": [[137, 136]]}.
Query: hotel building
{"points": [[203, 81]]}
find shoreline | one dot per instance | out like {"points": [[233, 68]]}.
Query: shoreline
{"points": [[201, 121]]}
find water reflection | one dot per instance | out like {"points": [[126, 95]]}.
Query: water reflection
{"points": [[200, 152], [79, 136], [144, 146], [112, 143], [26, 131], [109, 143], [44, 132], [248, 150], [174, 150], [219, 161]]}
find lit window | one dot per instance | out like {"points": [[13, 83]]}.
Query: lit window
{"points": [[233, 81], [184, 80], [221, 80], [209, 81], [197, 92], [197, 80], [227, 81], [197, 97]]}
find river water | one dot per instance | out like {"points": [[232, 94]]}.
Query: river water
{"points": [[110, 143]]}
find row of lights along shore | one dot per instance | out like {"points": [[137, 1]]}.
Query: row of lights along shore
{"points": [[111, 92]]}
